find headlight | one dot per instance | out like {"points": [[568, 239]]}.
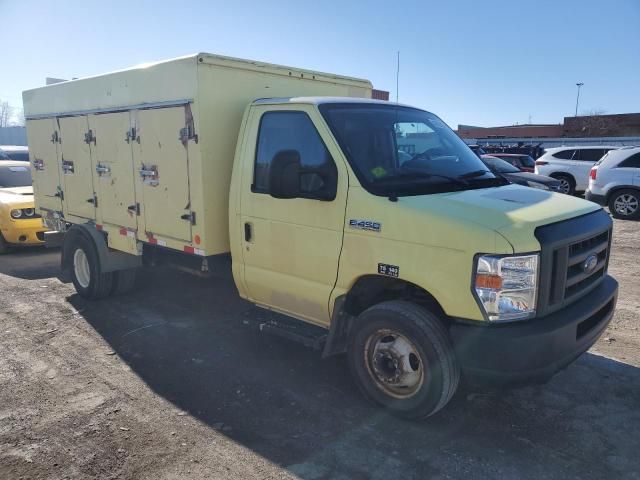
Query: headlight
{"points": [[507, 286], [28, 212], [541, 186], [16, 213]]}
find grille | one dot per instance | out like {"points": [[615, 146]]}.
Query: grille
{"points": [[574, 259]]}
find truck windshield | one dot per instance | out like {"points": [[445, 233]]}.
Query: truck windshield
{"points": [[398, 151]]}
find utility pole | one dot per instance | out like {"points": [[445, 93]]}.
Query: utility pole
{"points": [[578, 97]]}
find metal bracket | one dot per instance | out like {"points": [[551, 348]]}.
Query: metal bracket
{"points": [[102, 170], [67, 166], [89, 137], [38, 164], [149, 175], [189, 216], [54, 137], [132, 135]]}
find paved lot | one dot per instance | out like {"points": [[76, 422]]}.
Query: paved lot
{"points": [[175, 382]]}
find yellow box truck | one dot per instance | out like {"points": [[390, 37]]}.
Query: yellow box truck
{"points": [[369, 224]]}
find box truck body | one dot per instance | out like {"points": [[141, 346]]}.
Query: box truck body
{"points": [[146, 153]]}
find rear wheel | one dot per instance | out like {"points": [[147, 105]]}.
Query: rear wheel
{"points": [[401, 358], [86, 274], [625, 204], [567, 183]]}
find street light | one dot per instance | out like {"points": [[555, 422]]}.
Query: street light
{"points": [[578, 97]]}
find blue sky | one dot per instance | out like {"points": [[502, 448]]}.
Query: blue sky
{"points": [[472, 62]]}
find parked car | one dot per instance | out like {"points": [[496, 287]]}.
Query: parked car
{"points": [[14, 152], [477, 149], [570, 165], [615, 181], [514, 175], [522, 162], [19, 222]]}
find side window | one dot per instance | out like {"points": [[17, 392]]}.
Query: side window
{"points": [[564, 154], [284, 130], [591, 154], [632, 162]]}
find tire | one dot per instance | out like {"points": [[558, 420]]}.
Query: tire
{"points": [[567, 183], [4, 246], [429, 373], [625, 204], [86, 273], [124, 281]]}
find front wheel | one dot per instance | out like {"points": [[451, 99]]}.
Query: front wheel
{"points": [[401, 358], [625, 204], [86, 274]]}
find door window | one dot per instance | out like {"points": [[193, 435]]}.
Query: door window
{"points": [[564, 154], [632, 162], [589, 155], [294, 131]]}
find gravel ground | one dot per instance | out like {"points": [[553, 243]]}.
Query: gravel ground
{"points": [[174, 381]]}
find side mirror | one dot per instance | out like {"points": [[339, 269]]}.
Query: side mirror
{"points": [[284, 174]]}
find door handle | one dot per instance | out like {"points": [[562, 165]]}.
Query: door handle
{"points": [[247, 232]]}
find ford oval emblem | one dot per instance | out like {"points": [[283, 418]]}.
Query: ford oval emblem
{"points": [[590, 263]]}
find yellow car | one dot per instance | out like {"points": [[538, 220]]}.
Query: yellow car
{"points": [[19, 223]]}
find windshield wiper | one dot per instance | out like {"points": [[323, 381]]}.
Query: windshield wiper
{"points": [[419, 174]]}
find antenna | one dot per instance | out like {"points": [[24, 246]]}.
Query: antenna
{"points": [[398, 77]]}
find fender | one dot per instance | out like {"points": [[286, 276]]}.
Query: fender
{"points": [[110, 260]]}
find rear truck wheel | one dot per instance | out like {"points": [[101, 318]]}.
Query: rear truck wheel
{"points": [[401, 358], [124, 281], [86, 273], [4, 246], [625, 204], [567, 183]]}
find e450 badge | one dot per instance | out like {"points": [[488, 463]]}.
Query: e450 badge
{"points": [[365, 225]]}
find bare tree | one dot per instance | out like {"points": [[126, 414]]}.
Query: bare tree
{"points": [[5, 113], [18, 117]]}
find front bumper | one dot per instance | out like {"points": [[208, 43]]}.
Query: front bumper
{"points": [[595, 198], [535, 350], [24, 232]]}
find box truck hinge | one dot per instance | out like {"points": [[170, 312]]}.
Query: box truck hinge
{"points": [[134, 208], [67, 166], [54, 137], [102, 170], [187, 133], [132, 136], [189, 216], [89, 137]]}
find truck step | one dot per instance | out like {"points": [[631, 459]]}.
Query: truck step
{"points": [[296, 330]]}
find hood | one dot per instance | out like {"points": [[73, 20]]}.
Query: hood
{"points": [[21, 197], [513, 211], [28, 190], [530, 177]]}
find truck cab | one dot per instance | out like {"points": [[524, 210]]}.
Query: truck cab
{"points": [[376, 222]]}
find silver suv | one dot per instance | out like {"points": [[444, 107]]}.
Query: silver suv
{"points": [[615, 181], [570, 165]]}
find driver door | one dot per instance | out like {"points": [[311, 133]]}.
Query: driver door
{"points": [[291, 247]]}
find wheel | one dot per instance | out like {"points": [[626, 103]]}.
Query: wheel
{"points": [[4, 246], [625, 204], [401, 358], [124, 281], [567, 183], [86, 273]]}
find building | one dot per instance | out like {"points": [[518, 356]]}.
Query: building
{"points": [[585, 126], [13, 136]]}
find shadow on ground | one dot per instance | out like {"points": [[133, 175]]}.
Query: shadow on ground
{"points": [[194, 342], [30, 263]]}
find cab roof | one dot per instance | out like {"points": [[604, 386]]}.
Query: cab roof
{"points": [[324, 100]]}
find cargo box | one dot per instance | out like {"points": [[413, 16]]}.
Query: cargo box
{"points": [[146, 153]]}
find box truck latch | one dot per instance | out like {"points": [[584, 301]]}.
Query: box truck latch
{"points": [[102, 170], [189, 216], [54, 137], [67, 166], [149, 175]]}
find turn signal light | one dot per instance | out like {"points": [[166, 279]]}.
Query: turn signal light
{"points": [[484, 280]]}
